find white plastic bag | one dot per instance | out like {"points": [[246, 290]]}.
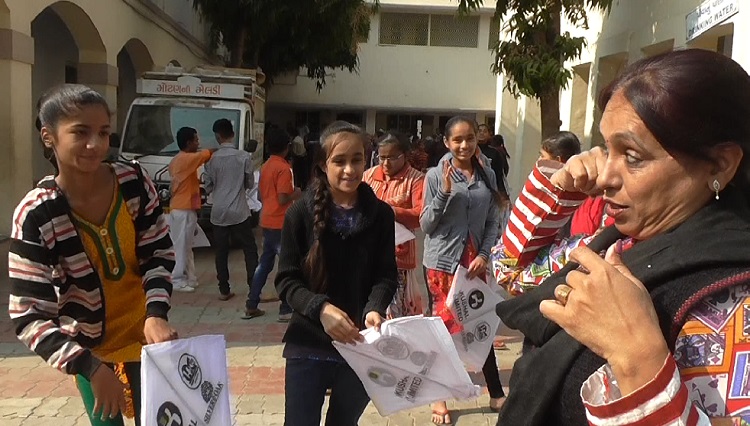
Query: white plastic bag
{"points": [[472, 303], [410, 363], [252, 194], [184, 382], [403, 234]]}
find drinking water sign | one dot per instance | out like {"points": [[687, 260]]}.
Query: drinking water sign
{"points": [[708, 15]]}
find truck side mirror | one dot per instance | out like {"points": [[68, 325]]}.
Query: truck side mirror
{"points": [[114, 140], [251, 145]]}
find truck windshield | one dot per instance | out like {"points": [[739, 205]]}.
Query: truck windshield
{"points": [[151, 129]]}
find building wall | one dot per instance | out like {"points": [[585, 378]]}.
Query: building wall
{"points": [[39, 38], [631, 31], [405, 78]]}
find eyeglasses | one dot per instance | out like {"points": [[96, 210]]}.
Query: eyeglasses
{"points": [[383, 158]]}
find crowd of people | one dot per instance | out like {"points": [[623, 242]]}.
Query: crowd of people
{"points": [[625, 263]]}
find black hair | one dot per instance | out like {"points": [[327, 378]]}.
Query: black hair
{"points": [[61, 102], [562, 144], [501, 196], [184, 136], [394, 137], [223, 128], [277, 140], [314, 265], [498, 142]]}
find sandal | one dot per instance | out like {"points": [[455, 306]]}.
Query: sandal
{"points": [[441, 417], [499, 345]]}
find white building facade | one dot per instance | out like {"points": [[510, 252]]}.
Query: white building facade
{"points": [[420, 65], [105, 44], [633, 29]]}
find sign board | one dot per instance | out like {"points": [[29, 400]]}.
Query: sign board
{"points": [[191, 87], [708, 15]]}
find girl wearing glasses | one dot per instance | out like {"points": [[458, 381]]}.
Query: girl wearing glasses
{"points": [[401, 186]]}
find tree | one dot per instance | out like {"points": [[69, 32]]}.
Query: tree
{"points": [[283, 36], [533, 56]]}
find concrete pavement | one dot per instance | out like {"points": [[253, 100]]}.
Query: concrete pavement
{"points": [[32, 393]]}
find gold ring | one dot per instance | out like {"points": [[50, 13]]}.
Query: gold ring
{"points": [[563, 293]]}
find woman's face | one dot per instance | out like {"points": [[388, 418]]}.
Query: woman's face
{"points": [[462, 142], [346, 163], [81, 141], [392, 159], [648, 191]]}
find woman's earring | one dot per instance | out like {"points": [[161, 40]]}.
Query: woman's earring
{"points": [[717, 187]]}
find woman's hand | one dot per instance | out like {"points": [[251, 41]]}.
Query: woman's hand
{"points": [[109, 393], [579, 174], [373, 320], [338, 325], [447, 182], [477, 267], [610, 311], [158, 330]]}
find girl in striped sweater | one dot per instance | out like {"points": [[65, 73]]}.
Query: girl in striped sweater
{"points": [[90, 259]]}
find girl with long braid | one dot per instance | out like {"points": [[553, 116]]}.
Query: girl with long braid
{"points": [[461, 220], [337, 270]]}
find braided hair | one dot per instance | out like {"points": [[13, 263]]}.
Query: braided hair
{"points": [[501, 197], [314, 265]]}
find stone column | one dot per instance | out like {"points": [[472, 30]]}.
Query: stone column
{"points": [[370, 121], [16, 125]]}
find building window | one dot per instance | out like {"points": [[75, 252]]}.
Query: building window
{"points": [[415, 29], [406, 123], [454, 31], [494, 33], [351, 117], [404, 29], [71, 74], [311, 119]]}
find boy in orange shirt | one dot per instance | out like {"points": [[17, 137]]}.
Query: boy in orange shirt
{"points": [[277, 192], [185, 202]]}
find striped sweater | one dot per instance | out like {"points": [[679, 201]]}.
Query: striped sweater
{"points": [[56, 298]]}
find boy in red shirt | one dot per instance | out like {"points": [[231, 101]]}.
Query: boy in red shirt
{"points": [[276, 192]]}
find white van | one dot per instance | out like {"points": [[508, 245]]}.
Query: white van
{"points": [[172, 99]]}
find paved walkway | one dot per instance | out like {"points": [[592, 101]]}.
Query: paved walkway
{"points": [[32, 393]]}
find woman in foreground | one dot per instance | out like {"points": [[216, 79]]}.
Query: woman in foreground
{"points": [[654, 332]]}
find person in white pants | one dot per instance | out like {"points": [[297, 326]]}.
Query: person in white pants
{"points": [[185, 202], [182, 230]]}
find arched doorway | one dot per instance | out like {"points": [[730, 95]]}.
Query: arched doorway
{"points": [[64, 39], [133, 60]]}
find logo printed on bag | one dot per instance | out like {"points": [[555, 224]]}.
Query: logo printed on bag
{"points": [[476, 299], [408, 387], [392, 347], [482, 331], [461, 306], [169, 415], [210, 394], [418, 357], [190, 371], [382, 377]]}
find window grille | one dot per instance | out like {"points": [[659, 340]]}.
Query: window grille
{"points": [[454, 31], [404, 28], [494, 33]]}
